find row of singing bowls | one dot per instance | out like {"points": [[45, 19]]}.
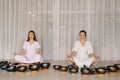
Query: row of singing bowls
{"points": [[4, 65], [72, 69]]}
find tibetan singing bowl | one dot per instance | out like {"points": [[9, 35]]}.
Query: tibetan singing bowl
{"points": [[34, 67], [117, 66], [64, 68], [70, 67], [57, 67], [111, 68], [73, 70], [85, 71], [11, 69], [100, 70], [3, 63], [22, 68], [5, 66], [45, 65]]}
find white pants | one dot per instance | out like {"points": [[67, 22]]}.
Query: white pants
{"points": [[81, 63], [24, 59]]}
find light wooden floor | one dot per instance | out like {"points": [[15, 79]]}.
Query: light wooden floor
{"points": [[52, 74]]}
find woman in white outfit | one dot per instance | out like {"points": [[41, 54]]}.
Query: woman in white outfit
{"points": [[82, 52], [31, 50]]}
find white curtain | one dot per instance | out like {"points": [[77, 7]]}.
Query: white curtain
{"points": [[57, 24]]}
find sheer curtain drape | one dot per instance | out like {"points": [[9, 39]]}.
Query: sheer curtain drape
{"points": [[57, 24]]}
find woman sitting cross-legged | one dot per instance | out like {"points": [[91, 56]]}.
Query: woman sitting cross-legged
{"points": [[31, 51]]}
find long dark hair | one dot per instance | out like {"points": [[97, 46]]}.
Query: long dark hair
{"points": [[83, 32], [34, 38]]}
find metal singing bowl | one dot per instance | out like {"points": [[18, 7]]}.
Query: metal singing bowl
{"points": [[63, 68], [45, 65], [11, 69], [101, 70], [85, 70], [73, 70], [70, 66], [117, 66], [111, 68], [4, 67], [3, 63], [34, 67], [57, 67], [22, 68]]}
